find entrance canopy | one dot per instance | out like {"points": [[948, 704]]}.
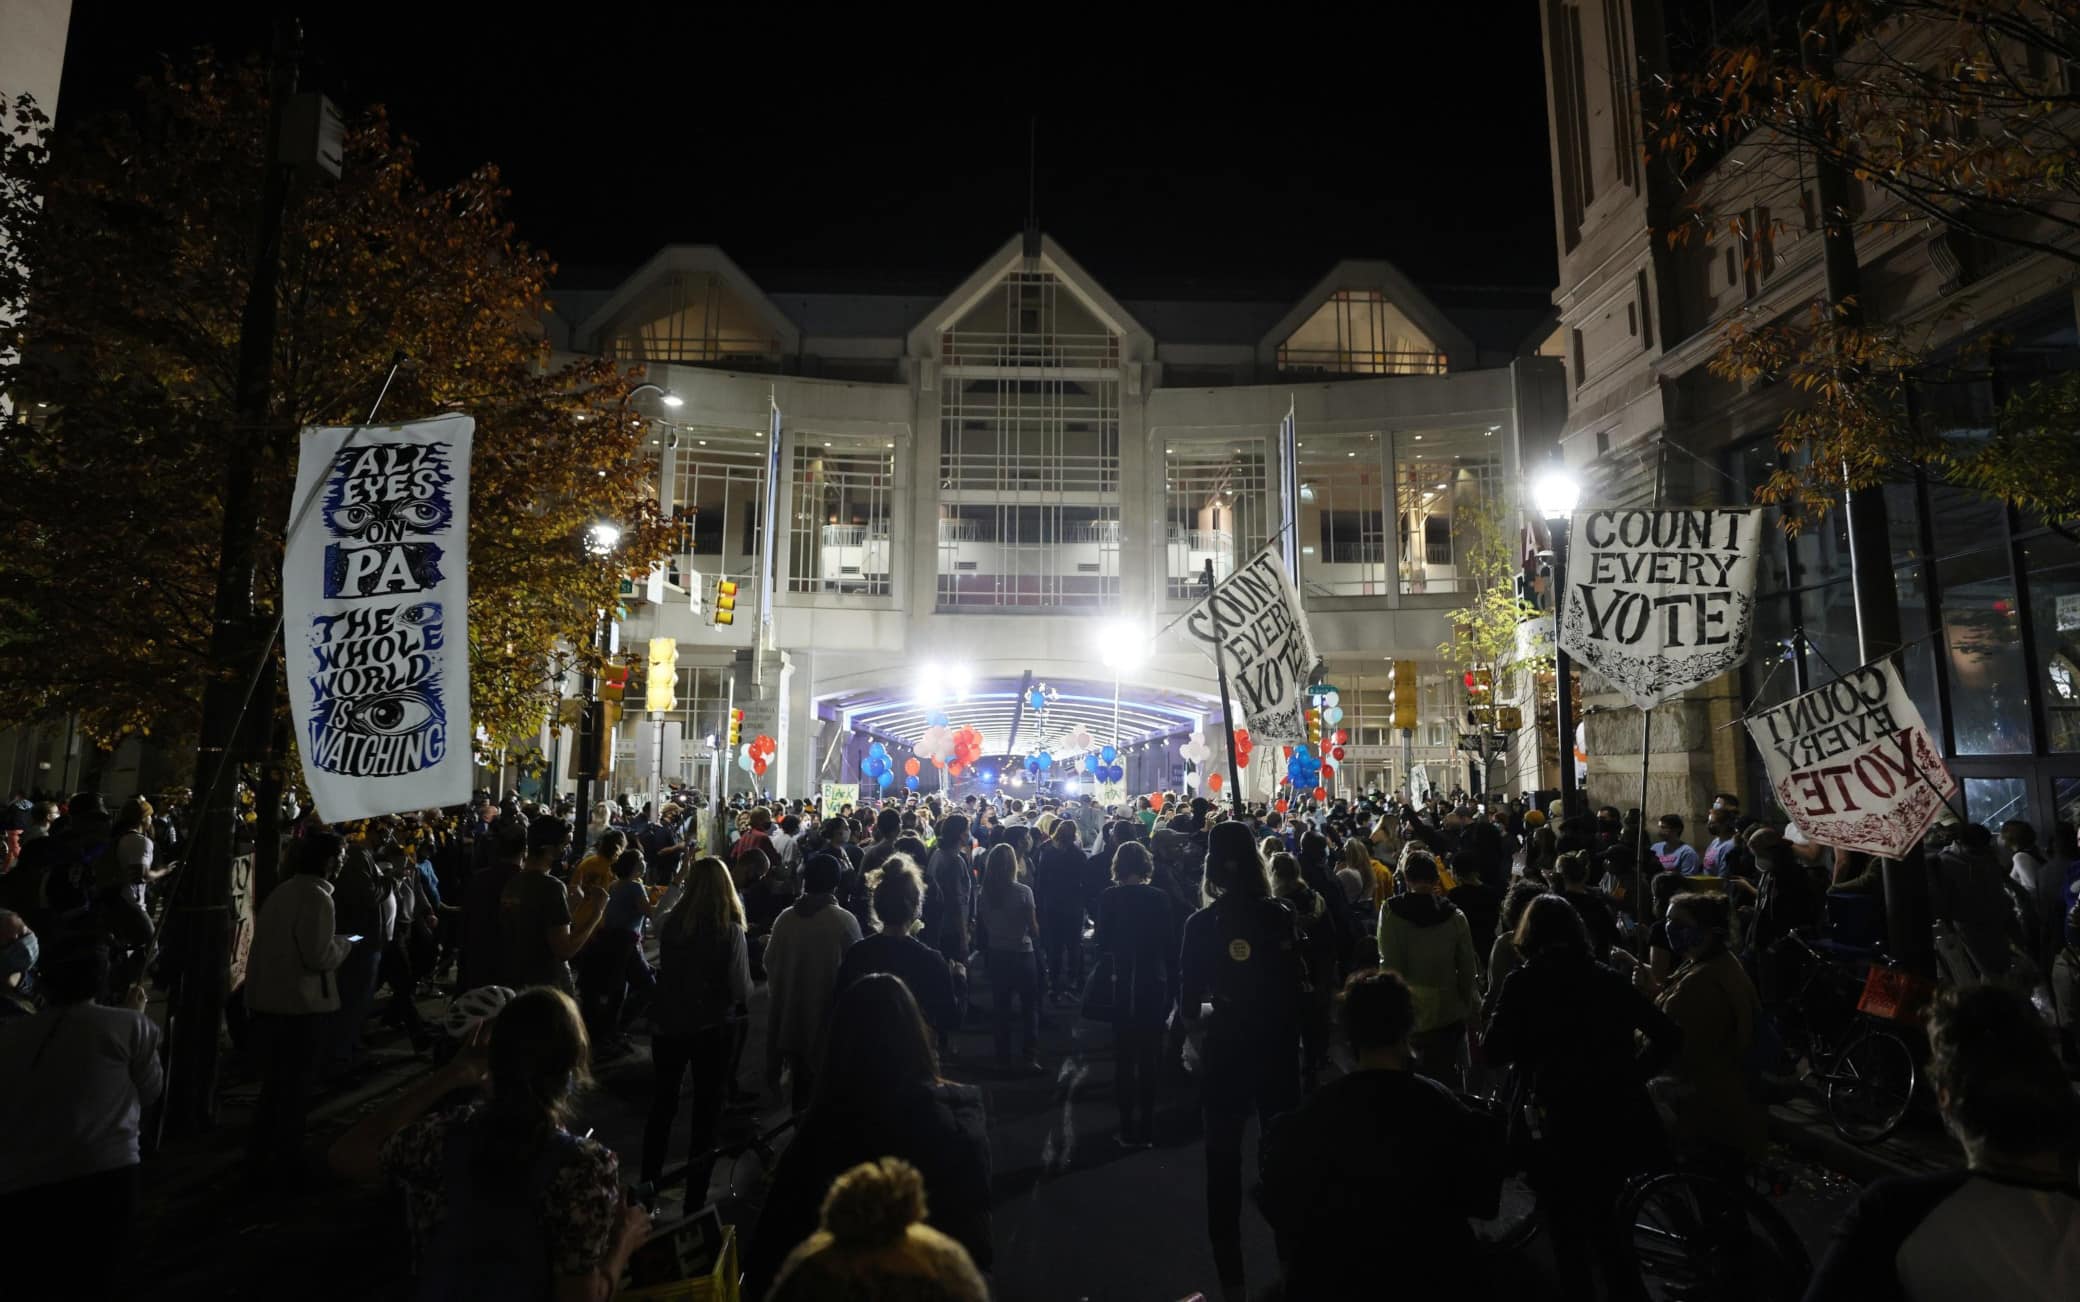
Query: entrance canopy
{"points": [[994, 706]]}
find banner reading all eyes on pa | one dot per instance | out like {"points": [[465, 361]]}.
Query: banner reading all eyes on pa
{"points": [[375, 589]]}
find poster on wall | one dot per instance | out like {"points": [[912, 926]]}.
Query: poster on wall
{"points": [[1264, 646], [375, 588], [1658, 602], [1853, 764]]}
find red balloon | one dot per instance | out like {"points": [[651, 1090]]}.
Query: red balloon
{"points": [[911, 766], [1158, 800], [1213, 783], [1242, 759], [1288, 752], [1279, 805], [1321, 793], [1338, 752]]}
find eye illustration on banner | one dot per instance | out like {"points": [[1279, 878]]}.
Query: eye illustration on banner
{"points": [[377, 702]]}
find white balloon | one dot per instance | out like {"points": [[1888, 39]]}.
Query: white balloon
{"points": [[1333, 698], [1192, 780]]}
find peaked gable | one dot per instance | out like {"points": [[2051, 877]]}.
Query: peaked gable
{"points": [[1398, 290]]}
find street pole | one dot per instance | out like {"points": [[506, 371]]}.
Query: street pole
{"points": [[1563, 671], [204, 907], [588, 739], [1220, 675]]}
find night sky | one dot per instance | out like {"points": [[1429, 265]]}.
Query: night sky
{"points": [[1195, 157]]}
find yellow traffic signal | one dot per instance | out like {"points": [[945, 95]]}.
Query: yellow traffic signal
{"points": [[726, 602], [736, 727], [660, 686], [1404, 693]]}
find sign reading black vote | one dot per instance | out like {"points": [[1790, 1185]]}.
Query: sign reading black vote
{"points": [[1658, 602]]}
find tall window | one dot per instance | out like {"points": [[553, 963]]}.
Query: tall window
{"points": [[1441, 478], [1029, 452], [718, 499], [1358, 332], [1216, 507], [692, 317], [1344, 534], [839, 540]]}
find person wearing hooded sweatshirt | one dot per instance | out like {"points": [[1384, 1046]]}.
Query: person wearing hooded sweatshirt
{"points": [[1426, 938], [807, 947]]}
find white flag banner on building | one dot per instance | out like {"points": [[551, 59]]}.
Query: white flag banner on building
{"points": [[1660, 601], [1264, 646], [1853, 764], [375, 589]]}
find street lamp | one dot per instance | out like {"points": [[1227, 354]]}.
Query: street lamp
{"points": [[1123, 646], [601, 538], [1554, 495], [664, 395]]}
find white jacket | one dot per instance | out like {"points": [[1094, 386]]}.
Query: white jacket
{"points": [[289, 968]]}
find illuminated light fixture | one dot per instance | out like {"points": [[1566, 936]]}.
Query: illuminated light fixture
{"points": [[603, 536], [673, 400], [1555, 493], [1309, 551], [1443, 486], [826, 443], [704, 442], [891, 445]]}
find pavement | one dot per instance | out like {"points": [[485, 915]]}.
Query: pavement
{"points": [[1076, 1218]]}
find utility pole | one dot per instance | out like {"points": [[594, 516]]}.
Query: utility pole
{"points": [[203, 905], [1909, 911]]}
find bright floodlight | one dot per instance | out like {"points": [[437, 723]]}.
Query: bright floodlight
{"points": [[672, 399], [1555, 493], [1122, 645], [958, 680], [602, 538], [931, 688]]}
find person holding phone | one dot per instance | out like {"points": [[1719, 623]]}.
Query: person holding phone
{"points": [[291, 991]]}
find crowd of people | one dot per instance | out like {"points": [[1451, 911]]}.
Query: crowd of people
{"points": [[1411, 999]]}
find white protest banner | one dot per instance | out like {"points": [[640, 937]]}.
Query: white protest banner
{"points": [[1264, 646], [1660, 601], [375, 589], [1853, 764]]}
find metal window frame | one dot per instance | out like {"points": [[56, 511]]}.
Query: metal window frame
{"points": [[865, 474]]}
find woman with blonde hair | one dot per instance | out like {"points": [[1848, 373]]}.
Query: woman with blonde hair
{"points": [[703, 978], [875, 1247], [1375, 879]]}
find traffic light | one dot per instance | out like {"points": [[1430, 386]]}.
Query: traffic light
{"points": [[660, 686], [726, 602], [613, 682], [736, 727], [1403, 694]]}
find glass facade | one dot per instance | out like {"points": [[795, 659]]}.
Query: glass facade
{"points": [[1216, 506], [718, 486], [1441, 478], [838, 540], [1358, 332], [1344, 541], [695, 318], [1029, 453], [1989, 602]]}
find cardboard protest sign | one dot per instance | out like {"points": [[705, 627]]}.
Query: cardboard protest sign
{"points": [[375, 587], [1658, 602], [1264, 646], [1853, 764]]}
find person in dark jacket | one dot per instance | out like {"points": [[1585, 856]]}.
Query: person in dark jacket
{"points": [[1594, 908], [1060, 877], [703, 980], [1568, 1025], [1139, 930], [1241, 955], [1478, 897], [879, 1095], [898, 894], [1380, 1150]]}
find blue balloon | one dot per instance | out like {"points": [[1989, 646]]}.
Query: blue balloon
{"points": [[939, 719], [910, 782], [1090, 763], [877, 750], [1046, 760], [1117, 773], [1036, 700], [1109, 754], [884, 777]]}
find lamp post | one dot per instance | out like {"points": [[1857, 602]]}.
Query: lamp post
{"points": [[601, 538], [1123, 646], [1554, 495]]}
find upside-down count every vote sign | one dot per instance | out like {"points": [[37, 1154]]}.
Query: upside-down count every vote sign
{"points": [[1264, 645], [375, 587], [1853, 764], [1660, 601]]}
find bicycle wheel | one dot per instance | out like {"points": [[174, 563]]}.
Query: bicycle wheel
{"points": [[1694, 1236], [1870, 1086], [1516, 1223]]}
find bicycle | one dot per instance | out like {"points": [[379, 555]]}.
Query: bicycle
{"points": [[1693, 1234], [759, 1144], [1517, 1220], [1865, 1072]]}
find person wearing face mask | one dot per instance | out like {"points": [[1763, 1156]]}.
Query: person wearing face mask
{"points": [[1711, 999], [18, 953]]}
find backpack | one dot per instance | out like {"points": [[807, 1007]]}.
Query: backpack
{"points": [[491, 1245]]}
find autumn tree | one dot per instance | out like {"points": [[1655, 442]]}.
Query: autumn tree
{"points": [[1484, 631], [120, 360], [1956, 118]]}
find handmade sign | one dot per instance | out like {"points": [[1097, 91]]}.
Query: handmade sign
{"points": [[1853, 764], [375, 586], [1660, 601], [1264, 646]]}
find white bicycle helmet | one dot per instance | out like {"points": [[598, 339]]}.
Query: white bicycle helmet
{"points": [[474, 1007]]}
